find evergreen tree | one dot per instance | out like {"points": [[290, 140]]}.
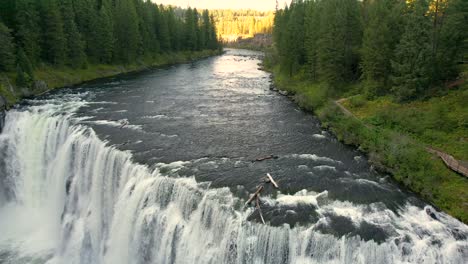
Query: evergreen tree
{"points": [[104, 42], [213, 40], [155, 26], [190, 30], [7, 12], [75, 55], [312, 26], [412, 64], [339, 41], [28, 30], [205, 31], [196, 21], [163, 30], [53, 36], [7, 49], [126, 31], [86, 13], [24, 71], [295, 54], [74, 32], [381, 35], [449, 38], [281, 34], [175, 30], [148, 34]]}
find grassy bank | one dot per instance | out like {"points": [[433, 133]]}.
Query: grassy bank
{"points": [[395, 135], [54, 77]]}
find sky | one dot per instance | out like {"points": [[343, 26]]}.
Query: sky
{"points": [[226, 4]]}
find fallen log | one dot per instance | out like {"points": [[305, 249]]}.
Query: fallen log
{"points": [[272, 181], [265, 158], [123, 123], [256, 195], [260, 210], [260, 189]]}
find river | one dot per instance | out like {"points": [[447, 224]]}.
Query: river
{"points": [[155, 167]]}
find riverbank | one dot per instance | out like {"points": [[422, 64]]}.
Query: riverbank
{"points": [[48, 78], [395, 136]]}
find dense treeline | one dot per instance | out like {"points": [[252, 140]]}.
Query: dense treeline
{"points": [[76, 33], [395, 47], [242, 23]]}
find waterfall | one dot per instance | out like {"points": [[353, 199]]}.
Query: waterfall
{"points": [[68, 197]]}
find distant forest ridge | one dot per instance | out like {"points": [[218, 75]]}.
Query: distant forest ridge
{"points": [[232, 25], [76, 33]]}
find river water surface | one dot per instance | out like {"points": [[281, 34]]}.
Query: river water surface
{"points": [[170, 185]]}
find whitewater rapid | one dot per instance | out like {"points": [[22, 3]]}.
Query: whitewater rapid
{"points": [[67, 196]]}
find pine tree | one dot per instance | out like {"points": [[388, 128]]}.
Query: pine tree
{"points": [[86, 13], [449, 38], [156, 18], [24, 71], [126, 31], [295, 54], [312, 26], [7, 49], [339, 41], [7, 12], [205, 31], [175, 30], [73, 32], [163, 30], [28, 30], [281, 34], [147, 32], [75, 55], [381, 35], [412, 64], [330, 45], [213, 40], [104, 42], [53, 36], [190, 30]]}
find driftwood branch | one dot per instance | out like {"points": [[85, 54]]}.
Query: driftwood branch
{"points": [[259, 210], [123, 123], [259, 190], [272, 181], [256, 195], [265, 158]]}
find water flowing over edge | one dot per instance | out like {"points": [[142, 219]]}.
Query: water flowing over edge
{"points": [[69, 197]]}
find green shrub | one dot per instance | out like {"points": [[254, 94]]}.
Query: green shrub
{"points": [[357, 101]]}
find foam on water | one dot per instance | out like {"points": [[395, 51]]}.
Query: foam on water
{"points": [[113, 124], [319, 136], [71, 198], [314, 158]]}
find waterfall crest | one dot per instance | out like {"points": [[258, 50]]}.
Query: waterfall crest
{"points": [[68, 197]]}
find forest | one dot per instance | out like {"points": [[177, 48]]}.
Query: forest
{"points": [[79, 33], [387, 76], [232, 24], [394, 47]]}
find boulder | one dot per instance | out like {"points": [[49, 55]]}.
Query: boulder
{"points": [[285, 93]]}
